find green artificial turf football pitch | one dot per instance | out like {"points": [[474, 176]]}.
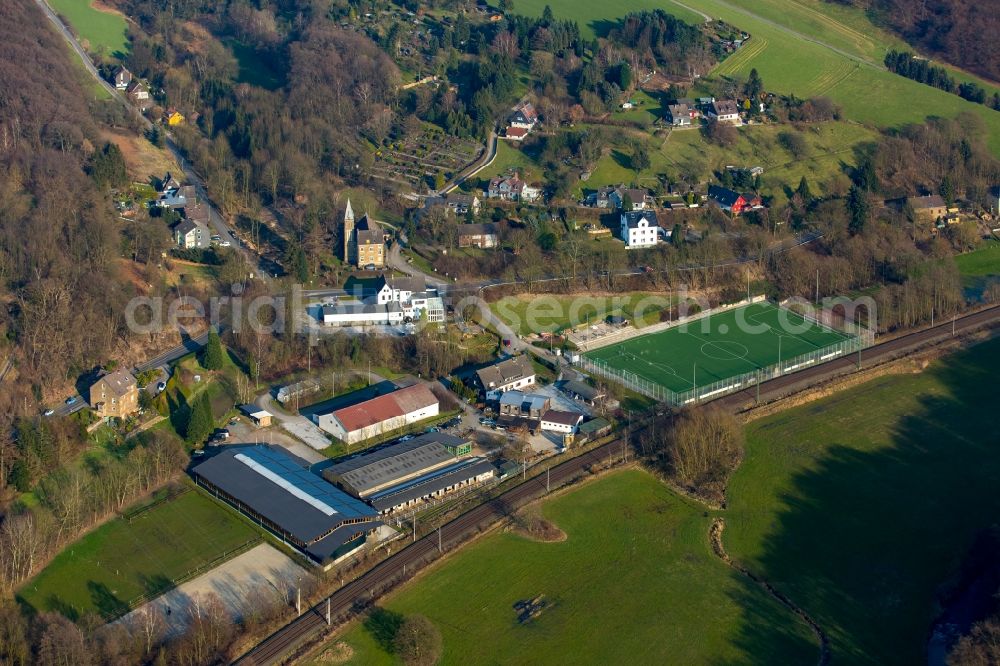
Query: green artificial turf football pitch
{"points": [[721, 346]]}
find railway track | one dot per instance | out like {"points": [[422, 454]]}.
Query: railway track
{"points": [[367, 587]]}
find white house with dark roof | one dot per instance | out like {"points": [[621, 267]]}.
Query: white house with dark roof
{"points": [[724, 111], [640, 228], [524, 117], [555, 420], [512, 373], [189, 234]]}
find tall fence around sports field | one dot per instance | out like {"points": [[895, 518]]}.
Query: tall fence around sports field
{"points": [[627, 333], [860, 338]]}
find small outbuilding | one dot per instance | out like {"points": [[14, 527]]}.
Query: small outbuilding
{"points": [[260, 417]]}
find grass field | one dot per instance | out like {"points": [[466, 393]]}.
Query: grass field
{"points": [[511, 157], [535, 313], [860, 506], [596, 17], [829, 146], [120, 560], [717, 347], [635, 581], [983, 262], [104, 31], [980, 268]]}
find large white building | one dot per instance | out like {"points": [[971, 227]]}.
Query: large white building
{"points": [[380, 415], [640, 228], [394, 301]]}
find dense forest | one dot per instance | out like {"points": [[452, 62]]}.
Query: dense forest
{"points": [[963, 32], [62, 296]]}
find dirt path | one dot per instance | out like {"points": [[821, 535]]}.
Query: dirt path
{"points": [[715, 535]]}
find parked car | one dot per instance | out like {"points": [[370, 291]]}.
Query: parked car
{"points": [[71, 400], [433, 429], [48, 412], [405, 438], [161, 387]]}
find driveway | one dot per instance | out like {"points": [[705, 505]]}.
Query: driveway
{"points": [[299, 426]]}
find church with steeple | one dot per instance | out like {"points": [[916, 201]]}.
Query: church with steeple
{"points": [[364, 241]]}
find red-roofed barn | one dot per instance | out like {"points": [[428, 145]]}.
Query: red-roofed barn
{"points": [[379, 415]]}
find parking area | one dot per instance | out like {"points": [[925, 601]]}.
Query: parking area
{"points": [[243, 432], [297, 425]]}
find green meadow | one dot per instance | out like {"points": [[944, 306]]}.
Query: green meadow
{"points": [[104, 31], [862, 505], [634, 581], [101, 572]]}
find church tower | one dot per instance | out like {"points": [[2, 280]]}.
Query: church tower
{"points": [[348, 231]]}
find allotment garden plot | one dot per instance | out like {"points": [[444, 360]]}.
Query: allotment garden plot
{"points": [[721, 352], [419, 158]]}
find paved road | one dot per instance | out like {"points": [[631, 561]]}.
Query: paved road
{"points": [[469, 172], [264, 270], [405, 563], [186, 347]]}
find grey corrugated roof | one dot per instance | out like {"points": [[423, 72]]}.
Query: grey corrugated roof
{"points": [[585, 391], [431, 483], [358, 307], [369, 470], [300, 518]]}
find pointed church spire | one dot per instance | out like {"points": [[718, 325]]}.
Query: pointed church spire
{"points": [[349, 212]]}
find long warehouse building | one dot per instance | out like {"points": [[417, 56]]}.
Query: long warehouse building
{"points": [[277, 490], [401, 475]]}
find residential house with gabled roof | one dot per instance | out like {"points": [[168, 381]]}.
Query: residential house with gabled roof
{"points": [[122, 78], [482, 236], [511, 188], [732, 201], [524, 117], [680, 115], [724, 111], [512, 373], [180, 197], [115, 395], [601, 198], [138, 93], [515, 133], [190, 235], [639, 199], [640, 228], [169, 183], [460, 204], [930, 208]]}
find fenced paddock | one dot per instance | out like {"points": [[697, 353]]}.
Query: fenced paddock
{"points": [[722, 352]]}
